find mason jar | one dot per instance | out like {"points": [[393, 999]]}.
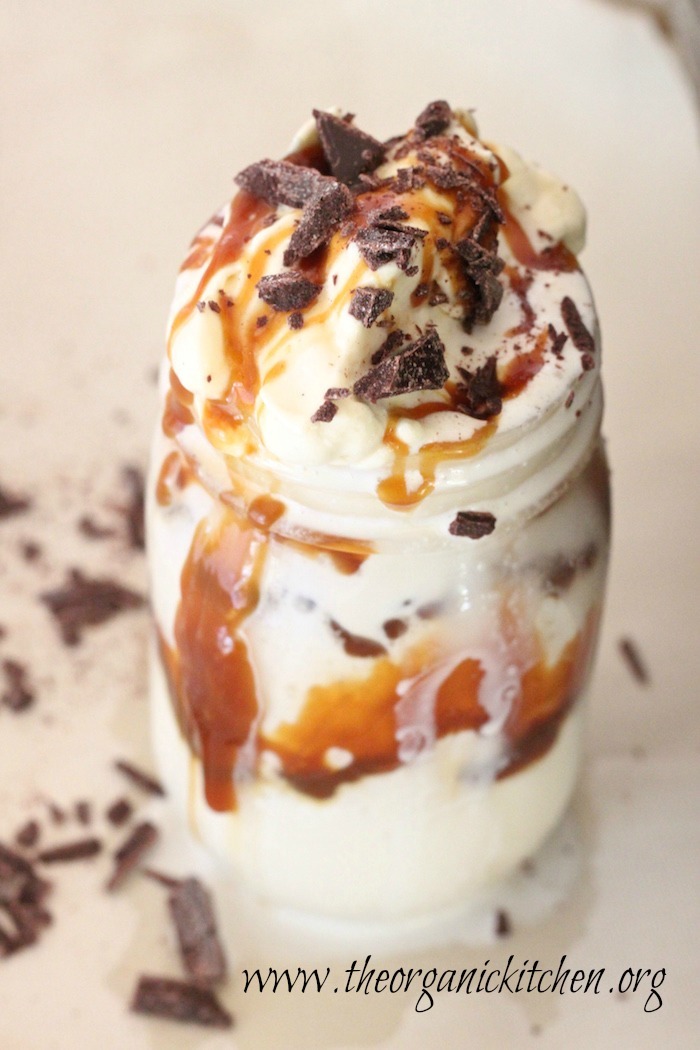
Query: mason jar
{"points": [[376, 618]]}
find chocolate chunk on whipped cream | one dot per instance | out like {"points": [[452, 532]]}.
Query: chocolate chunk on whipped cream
{"points": [[420, 366], [349, 151], [368, 303], [472, 523], [287, 291], [434, 119]]}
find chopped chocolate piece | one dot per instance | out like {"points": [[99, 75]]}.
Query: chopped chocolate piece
{"points": [[420, 366], [261, 321], [83, 811], [479, 393], [280, 182], [30, 550], [179, 1001], [12, 504], [420, 292], [355, 644], [192, 913], [472, 523], [580, 336], [482, 267], [408, 179], [287, 291], [443, 218], [84, 602], [119, 812], [383, 244], [295, 320], [393, 214], [504, 926], [368, 303], [321, 217], [587, 362], [18, 694], [633, 658], [137, 776], [22, 896], [435, 118], [558, 340], [437, 296], [569, 399], [127, 857], [158, 876], [213, 305], [349, 151], [391, 343], [394, 628], [70, 851], [336, 393], [28, 834], [134, 510], [325, 412], [90, 528], [57, 814]]}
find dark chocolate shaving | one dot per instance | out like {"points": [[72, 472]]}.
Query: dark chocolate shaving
{"points": [[383, 243], [368, 303], [128, 856], [179, 1001], [393, 214], [472, 523], [287, 291], [321, 217], [83, 812], [392, 342], [336, 393], [355, 644], [435, 118], [580, 336], [325, 412], [23, 914], [633, 658], [420, 366], [193, 916], [559, 340], [31, 550], [18, 694], [280, 182], [394, 628], [28, 835], [84, 602], [137, 776], [119, 812], [93, 530], [349, 151], [295, 321], [82, 849], [11, 504], [134, 509], [504, 926], [479, 393], [482, 267]]}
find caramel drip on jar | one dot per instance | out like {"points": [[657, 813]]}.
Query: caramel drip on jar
{"points": [[174, 475], [393, 490], [515, 376]]}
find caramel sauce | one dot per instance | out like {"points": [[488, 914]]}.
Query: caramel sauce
{"points": [[265, 511], [558, 257], [518, 372], [177, 411], [175, 473], [393, 490]]}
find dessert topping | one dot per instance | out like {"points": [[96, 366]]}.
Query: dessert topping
{"points": [[420, 366], [368, 303], [473, 523], [349, 151], [287, 291]]}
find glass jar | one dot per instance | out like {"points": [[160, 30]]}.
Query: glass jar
{"points": [[373, 718]]}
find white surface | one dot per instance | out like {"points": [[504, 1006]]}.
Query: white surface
{"points": [[122, 126]]}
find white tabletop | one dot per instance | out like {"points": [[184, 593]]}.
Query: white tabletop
{"points": [[122, 125]]}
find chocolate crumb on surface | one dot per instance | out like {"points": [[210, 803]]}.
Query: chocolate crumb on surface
{"points": [[634, 660], [392, 342], [504, 926], [83, 812], [83, 602], [30, 550], [18, 695], [81, 849], [119, 812], [325, 413], [419, 366], [434, 118], [137, 776], [193, 916], [281, 182], [134, 509], [380, 244], [160, 877], [368, 303], [179, 1001], [28, 834], [93, 530], [349, 151], [295, 320], [472, 523], [580, 336], [11, 503], [321, 217], [23, 893], [287, 291], [336, 393], [128, 856]]}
